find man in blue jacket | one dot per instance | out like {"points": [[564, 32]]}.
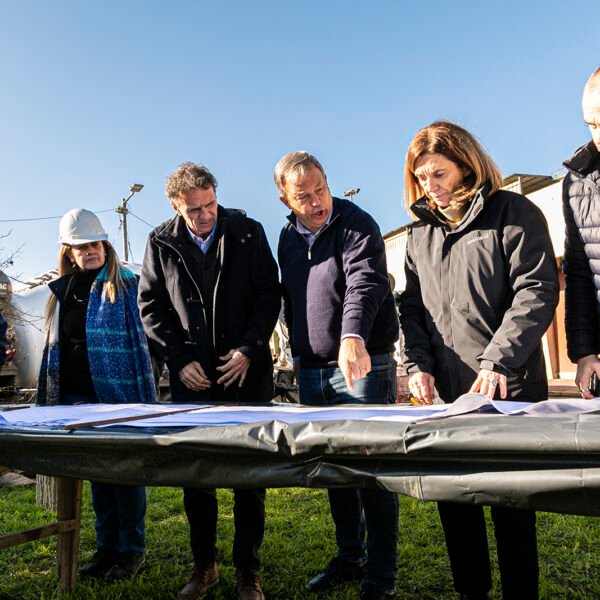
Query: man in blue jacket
{"points": [[581, 206], [343, 324]]}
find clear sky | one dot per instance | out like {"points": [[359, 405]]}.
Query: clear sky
{"points": [[96, 96]]}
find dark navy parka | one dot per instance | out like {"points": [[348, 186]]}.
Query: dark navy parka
{"points": [[246, 302]]}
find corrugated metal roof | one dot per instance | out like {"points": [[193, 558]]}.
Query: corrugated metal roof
{"points": [[395, 232], [523, 183]]}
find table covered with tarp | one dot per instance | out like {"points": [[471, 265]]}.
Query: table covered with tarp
{"points": [[543, 456]]}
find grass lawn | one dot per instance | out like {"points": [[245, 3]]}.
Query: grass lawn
{"points": [[298, 543]]}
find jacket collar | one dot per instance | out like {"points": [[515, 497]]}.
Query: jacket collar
{"points": [[423, 212], [584, 159], [59, 287], [230, 221]]}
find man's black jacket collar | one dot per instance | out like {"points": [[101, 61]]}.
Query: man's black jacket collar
{"points": [[231, 220], [584, 159]]}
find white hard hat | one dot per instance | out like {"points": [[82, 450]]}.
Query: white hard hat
{"points": [[81, 226]]}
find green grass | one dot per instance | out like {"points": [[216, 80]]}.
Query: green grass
{"points": [[298, 543]]}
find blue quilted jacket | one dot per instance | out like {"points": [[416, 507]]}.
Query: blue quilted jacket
{"points": [[581, 259]]}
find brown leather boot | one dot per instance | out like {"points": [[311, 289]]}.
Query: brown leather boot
{"points": [[203, 579], [248, 585]]}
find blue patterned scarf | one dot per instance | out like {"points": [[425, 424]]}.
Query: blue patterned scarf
{"points": [[118, 352]]}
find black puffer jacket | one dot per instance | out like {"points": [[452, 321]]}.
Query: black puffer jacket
{"points": [[581, 259], [479, 296], [246, 302]]}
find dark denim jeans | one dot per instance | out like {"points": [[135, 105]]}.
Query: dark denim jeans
{"points": [[120, 509], [355, 511]]}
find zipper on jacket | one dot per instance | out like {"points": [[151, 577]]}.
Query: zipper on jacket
{"points": [[221, 248], [586, 180], [181, 258], [319, 234]]}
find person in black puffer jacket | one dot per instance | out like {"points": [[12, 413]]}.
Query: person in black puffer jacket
{"points": [[581, 259]]}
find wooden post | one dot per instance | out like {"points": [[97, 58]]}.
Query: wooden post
{"points": [[45, 492], [69, 507]]}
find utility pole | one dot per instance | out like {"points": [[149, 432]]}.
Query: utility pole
{"points": [[124, 211]]}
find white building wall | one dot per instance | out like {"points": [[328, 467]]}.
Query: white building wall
{"points": [[549, 200], [395, 250]]}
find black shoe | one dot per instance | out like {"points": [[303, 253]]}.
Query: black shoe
{"points": [[99, 565], [370, 592], [338, 571], [129, 564], [482, 596]]}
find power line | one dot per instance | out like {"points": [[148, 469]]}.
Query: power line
{"points": [[142, 220], [48, 218], [130, 252]]}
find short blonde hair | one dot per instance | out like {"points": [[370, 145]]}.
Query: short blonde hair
{"points": [[297, 163], [457, 145]]}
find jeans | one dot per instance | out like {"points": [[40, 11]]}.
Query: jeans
{"points": [[356, 511], [120, 509]]}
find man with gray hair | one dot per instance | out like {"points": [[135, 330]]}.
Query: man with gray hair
{"points": [[209, 298], [581, 264], [342, 320]]}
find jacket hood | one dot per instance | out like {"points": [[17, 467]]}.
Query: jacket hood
{"points": [[583, 159], [423, 212]]}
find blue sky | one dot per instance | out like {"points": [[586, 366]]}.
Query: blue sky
{"points": [[99, 95]]}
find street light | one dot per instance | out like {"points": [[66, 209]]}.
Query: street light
{"points": [[123, 211], [351, 193]]}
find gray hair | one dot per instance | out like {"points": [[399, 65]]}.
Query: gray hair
{"points": [[296, 163], [189, 176]]}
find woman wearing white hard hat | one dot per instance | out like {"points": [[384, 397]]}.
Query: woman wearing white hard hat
{"points": [[92, 305]]}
